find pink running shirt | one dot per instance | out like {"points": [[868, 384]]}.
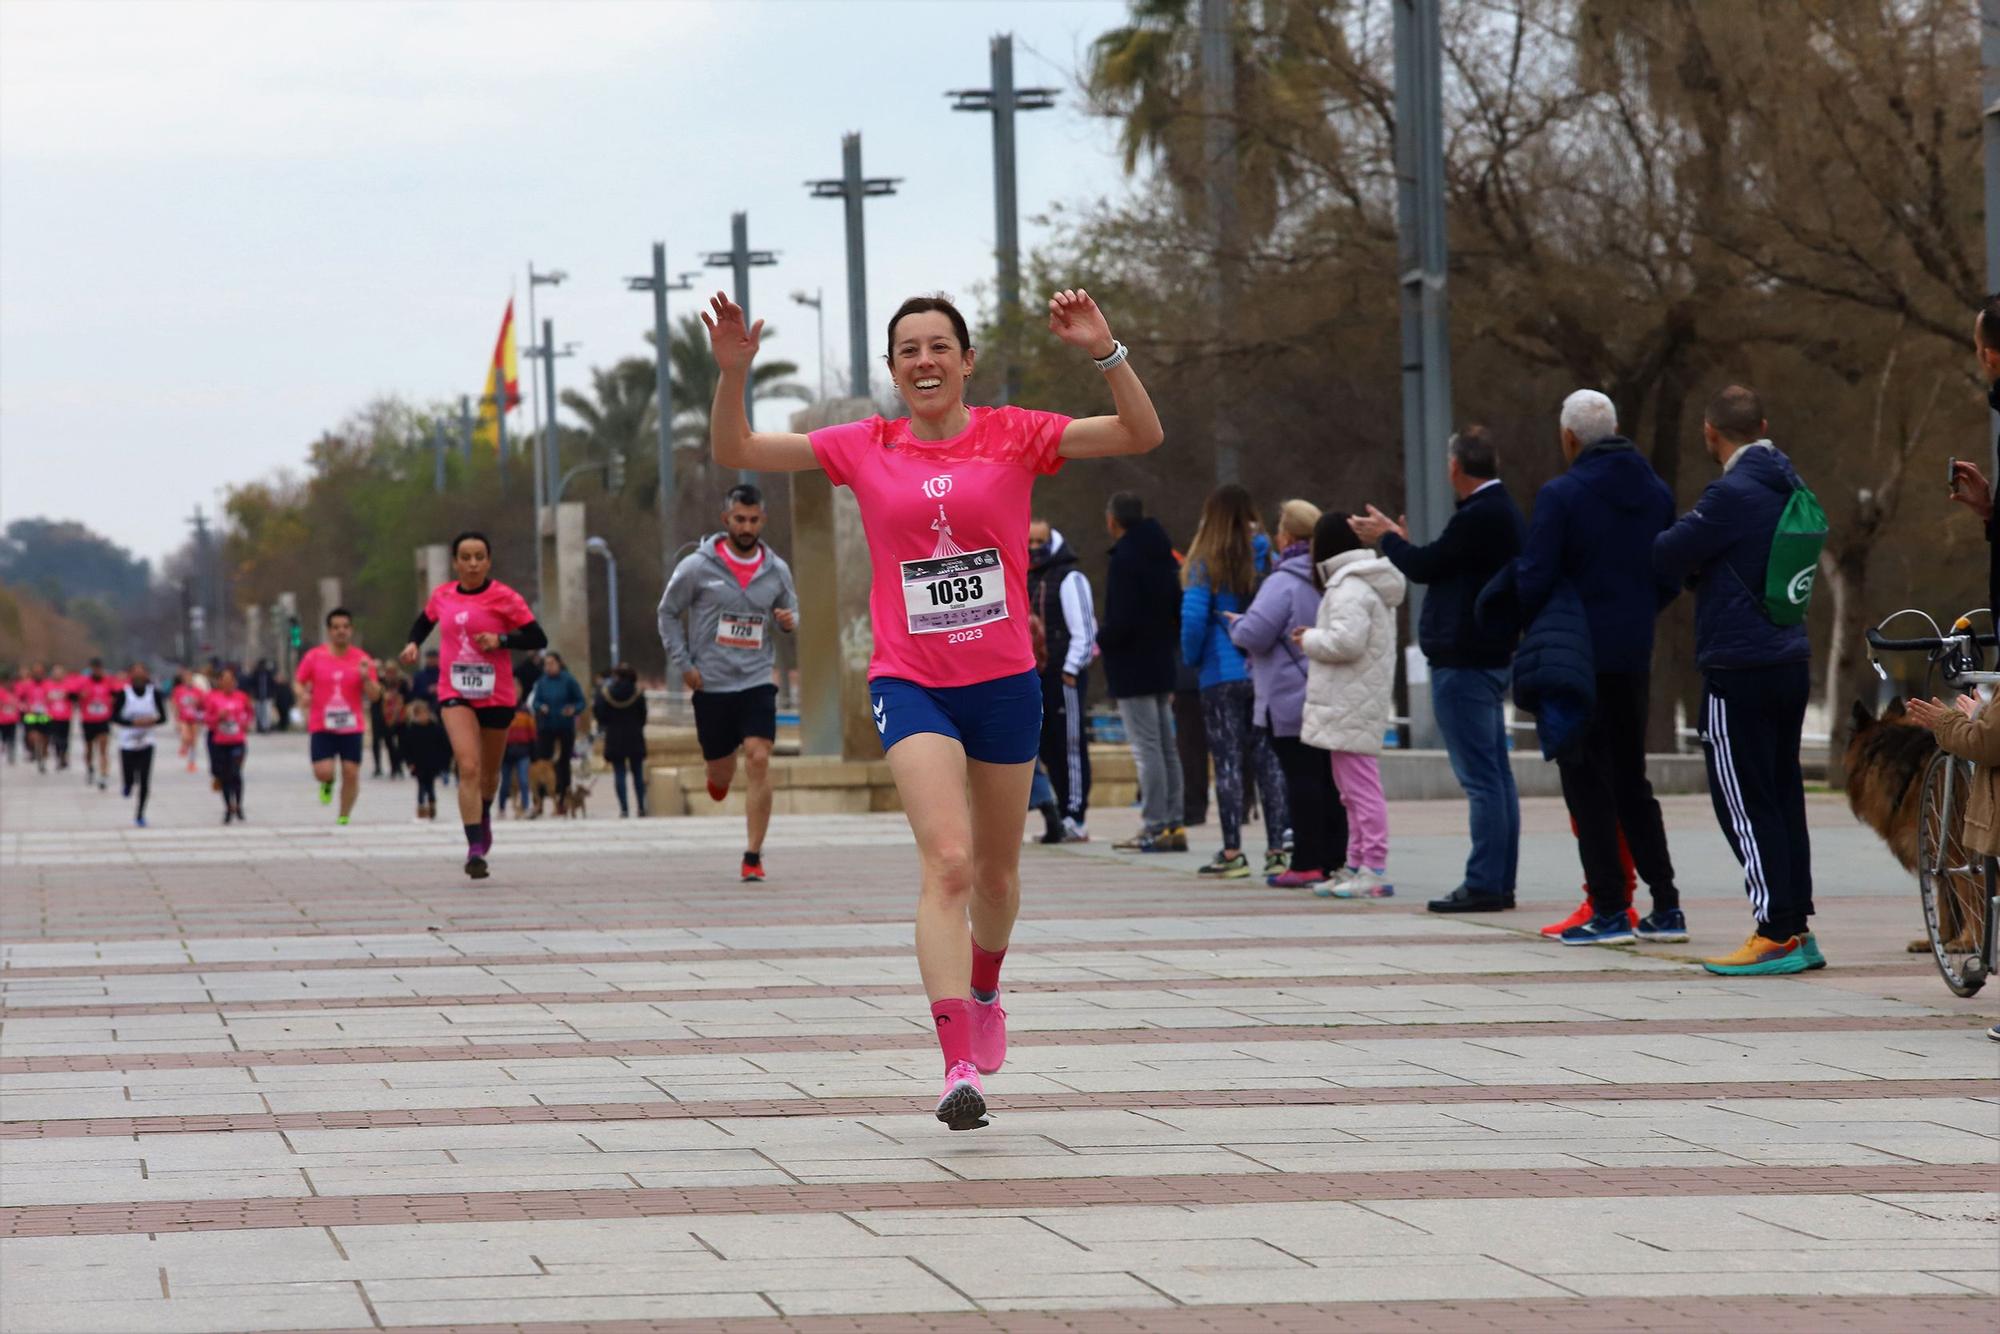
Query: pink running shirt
{"points": [[10, 708], [31, 694], [227, 713], [187, 703], [337, 705], [57, 703], [481, 678], [95, 698], [947, 528]]}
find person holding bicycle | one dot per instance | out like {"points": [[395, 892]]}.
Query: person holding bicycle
{"points": [[1972, 734], [1756, 674], [1969, 486]]}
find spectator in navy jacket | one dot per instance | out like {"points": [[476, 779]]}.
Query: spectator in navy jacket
{"points": [[1755, 679], [1140, 640], [1594, 526], [1468, 665]]}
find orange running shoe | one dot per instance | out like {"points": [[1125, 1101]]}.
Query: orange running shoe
{"points": [[1758, 955], [753, 868]]}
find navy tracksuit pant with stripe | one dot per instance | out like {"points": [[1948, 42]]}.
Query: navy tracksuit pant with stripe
{"points": [[1751, 721], [1066, 742]]}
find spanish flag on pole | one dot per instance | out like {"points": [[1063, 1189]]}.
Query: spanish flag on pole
{"points": [[502, 376]]}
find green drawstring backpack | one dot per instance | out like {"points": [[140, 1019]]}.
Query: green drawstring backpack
{"points": [[1794, 562]]}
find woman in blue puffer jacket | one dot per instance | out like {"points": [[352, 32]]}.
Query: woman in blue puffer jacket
{"points": [[1218, 580]]}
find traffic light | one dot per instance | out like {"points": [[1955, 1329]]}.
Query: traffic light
{"points": [[296, 637]]}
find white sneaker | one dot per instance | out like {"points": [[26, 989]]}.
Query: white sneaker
{"points": [[1325, 889], [1074, 832], [1365, 884]]}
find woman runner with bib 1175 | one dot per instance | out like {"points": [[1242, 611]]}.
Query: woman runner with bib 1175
{"points": [[479, 621], [944, 499]]}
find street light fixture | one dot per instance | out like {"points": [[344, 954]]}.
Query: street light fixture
{"points": [[817, 302], [597, 546]]}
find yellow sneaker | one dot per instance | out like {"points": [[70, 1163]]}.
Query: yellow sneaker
{"points": [[1758, 955]]}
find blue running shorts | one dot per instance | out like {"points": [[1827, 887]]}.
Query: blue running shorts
{"points": [[342, 746], [998, 722]]}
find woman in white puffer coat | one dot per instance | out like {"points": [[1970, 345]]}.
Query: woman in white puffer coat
{"points": [[1349, 679]]}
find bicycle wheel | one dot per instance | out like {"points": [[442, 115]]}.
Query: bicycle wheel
{"points": [[1949, 879]]}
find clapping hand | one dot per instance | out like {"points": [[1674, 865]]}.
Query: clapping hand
{"points": [[1928, 712], [1371, 526], [734, 346]]}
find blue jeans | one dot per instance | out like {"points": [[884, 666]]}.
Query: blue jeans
{"points": [[514, 777], [1469, 704]]}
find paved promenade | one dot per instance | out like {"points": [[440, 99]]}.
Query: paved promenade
{"points": [[292, 1077]]}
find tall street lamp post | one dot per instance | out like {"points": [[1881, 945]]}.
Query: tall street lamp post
{"points": [[1002, 100], [663, 390], [852, 188], [548, 458], [817, 303], [739, 259]]}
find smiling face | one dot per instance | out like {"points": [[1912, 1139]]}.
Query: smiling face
{"points": [[929, 365]]}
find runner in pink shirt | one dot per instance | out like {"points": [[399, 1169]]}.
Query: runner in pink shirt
{"points": [[10, 715], [944, 499], [187, 712], [227, 711], [480, 622], [337, 679], [59, 703], [96, 696], [32, 692]]}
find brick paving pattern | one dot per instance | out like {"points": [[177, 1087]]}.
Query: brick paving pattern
{"points": [[287, 1077]]}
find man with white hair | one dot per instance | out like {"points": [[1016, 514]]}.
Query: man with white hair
{"points": [[1593, 528]]}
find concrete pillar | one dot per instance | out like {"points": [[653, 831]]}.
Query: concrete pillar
{"points": [[329, 598], [567, 619], [433, 568], [254, 646], [830, 562]]}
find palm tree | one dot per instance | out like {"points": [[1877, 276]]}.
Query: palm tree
{"points": [[621, 414], [695, 377]]}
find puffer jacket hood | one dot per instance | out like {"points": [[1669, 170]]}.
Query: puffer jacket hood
{"points": [[1352, 646]]}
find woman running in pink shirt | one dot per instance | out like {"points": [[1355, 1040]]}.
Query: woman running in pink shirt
{"points": [[480, 621], [944, 498]]}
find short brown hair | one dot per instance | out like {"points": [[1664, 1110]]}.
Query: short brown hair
{"points": [[1736, 413]]}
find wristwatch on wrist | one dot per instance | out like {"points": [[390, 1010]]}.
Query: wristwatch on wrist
{"points": [[1116, 359]]}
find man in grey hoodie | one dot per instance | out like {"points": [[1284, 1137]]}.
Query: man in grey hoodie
{"points": [[716, 620]]}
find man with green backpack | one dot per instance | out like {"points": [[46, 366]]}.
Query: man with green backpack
{"points": [[1750, 548]]}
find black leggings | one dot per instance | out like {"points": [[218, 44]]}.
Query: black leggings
{"points": [[1234, 742], [1319, 820], [427, 794], [381, 735], [7, 731], [59, 739], [225, 762], [136, 766]]}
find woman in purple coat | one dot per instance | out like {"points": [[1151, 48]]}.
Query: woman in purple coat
{"points": [[1286, 599]]}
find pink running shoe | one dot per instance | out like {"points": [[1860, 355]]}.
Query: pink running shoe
{"points": [[963, 1105], [989, 1036]]}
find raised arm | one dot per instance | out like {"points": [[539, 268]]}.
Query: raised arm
{"points": [[1134, 427], [729, 433]]}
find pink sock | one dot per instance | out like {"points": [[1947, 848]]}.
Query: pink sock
{"points": [[986, 971], [954, 1030]]}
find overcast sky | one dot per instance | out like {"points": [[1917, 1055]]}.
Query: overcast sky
{"points": [[223, 227]]}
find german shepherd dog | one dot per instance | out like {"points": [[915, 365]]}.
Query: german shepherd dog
{"points": [[1886, 759]]}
